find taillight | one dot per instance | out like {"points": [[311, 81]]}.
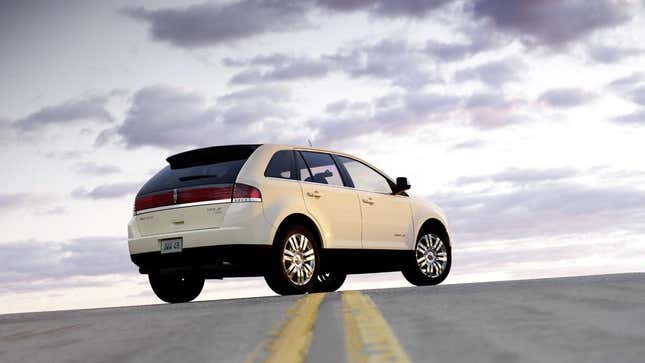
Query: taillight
{"points": [[223, 194], [214, 194], [154, 201], [246, 193]]}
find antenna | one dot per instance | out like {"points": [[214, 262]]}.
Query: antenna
{"points": [[309, 141]]}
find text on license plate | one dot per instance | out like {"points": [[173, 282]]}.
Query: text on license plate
{"points": [[171, 245]]}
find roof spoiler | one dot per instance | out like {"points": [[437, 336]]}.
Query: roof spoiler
{"points": [[211, 155]]}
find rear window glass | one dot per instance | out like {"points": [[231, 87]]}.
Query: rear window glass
{"points": [[167, 178], [281, 165]]}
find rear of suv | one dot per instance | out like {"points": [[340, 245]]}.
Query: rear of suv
{"points": [[303, 218]]}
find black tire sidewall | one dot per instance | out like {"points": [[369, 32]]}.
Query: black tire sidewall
{"points": [[276, 275], [412, 272], [171, 289]]}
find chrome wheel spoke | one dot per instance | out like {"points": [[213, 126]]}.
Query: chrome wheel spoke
{"points": [[299, 259], [431, 255]]}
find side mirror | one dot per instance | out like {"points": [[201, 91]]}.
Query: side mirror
{"points": [[401, 185]]}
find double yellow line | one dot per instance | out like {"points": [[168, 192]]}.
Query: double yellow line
{"points": [[368, 336]]}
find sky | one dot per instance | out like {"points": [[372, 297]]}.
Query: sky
{"points": [[523, 120]]}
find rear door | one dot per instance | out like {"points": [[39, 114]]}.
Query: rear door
{"points": [[386, 218], [335, 207]]}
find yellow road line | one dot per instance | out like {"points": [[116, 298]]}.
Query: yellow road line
{"points": [[368, 336], [290, 339]]}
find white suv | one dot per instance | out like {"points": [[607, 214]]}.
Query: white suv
{"points": [[301, 217]]}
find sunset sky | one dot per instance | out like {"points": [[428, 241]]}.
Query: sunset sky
{"points": [[524, 120]]}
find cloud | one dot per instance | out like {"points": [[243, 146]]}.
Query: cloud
{"points": [[494, 73], [385, 8], [566, 97], [396, 113], [281, 68], [212, 24], [611, 54], [627, 82], [92, 168], [469, 144], [521, 176], [391, 60], [487, 110], [108, 191], [172, 117], [69, 112], [455, 50], [547, 208], [638, 95], [26, 262], [551, 23], [634, 118]]}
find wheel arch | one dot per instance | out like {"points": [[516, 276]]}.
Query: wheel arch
{"points": [[435, 225], [303, 220]]}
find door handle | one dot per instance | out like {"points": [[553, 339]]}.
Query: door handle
{"points": [[369, 201], [315, 194]]}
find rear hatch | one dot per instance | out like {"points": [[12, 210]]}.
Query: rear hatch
{"points": [[194, 191]]}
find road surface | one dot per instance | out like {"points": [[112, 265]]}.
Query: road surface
{"points": [[574, 319]]}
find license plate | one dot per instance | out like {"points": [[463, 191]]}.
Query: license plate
{"points": [[172, 245]]}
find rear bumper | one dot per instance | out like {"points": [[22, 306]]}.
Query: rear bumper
{"points": [[211, 261]]}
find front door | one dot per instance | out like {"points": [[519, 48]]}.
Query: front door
{"points": [[386, 218]]}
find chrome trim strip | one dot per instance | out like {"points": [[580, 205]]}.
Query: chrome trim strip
{"points": [[175, 206]]}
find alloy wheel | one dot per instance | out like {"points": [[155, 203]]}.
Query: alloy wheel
{"points": [[299, 259], [431, 255]]}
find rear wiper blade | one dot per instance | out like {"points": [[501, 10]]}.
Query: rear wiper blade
{"points": [[193, 177]]}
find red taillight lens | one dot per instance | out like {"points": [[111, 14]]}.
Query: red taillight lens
{"points": [[154, 201], [226, 194], [205, 194], [246, 193]]}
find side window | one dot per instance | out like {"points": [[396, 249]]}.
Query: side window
{"points": [[301, 168], [323, 168], [281, 165], [364, 177]]}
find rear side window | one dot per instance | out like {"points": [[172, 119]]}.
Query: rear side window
{"points": [[217, 165], [323, 168], [281, 165]]}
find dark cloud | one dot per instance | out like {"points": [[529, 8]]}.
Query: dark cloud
{"points": [[611, 54], [542, 209], [210, 24], [385, 8], [455, 50], [566, 97], [108, 191], [72, 111], [551, 23], [494, 73], [26, 262], [634, 118], [92, 168], [172, 117]]}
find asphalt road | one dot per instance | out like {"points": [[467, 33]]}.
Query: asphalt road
{"points": [[577, 319]]}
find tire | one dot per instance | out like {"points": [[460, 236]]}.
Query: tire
{"points": [[176, 288], [328, 281], [430, 262], [294, 261]]}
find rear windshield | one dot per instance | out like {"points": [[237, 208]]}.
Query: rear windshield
{"points": [[178, 175]]}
